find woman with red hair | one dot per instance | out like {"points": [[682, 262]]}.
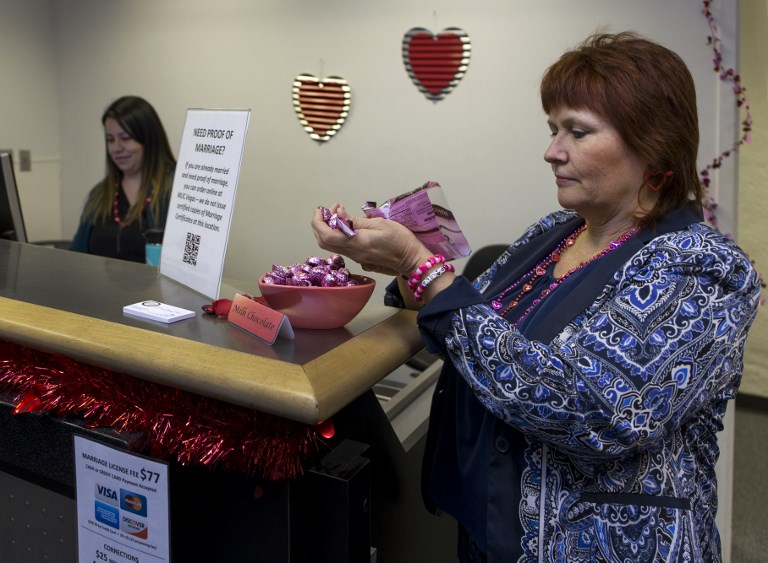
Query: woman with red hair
{"points": [[587, 371]]}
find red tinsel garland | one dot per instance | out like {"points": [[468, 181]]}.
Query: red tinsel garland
{"points": [[179, 425]]}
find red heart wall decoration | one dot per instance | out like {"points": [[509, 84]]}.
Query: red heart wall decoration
{"points": [[322, 104], [436, 63]]}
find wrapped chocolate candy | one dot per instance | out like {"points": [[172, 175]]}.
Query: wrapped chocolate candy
{"points": [[329, 280], [317, 274], [335, 222], [335, 261], [313, 272]]}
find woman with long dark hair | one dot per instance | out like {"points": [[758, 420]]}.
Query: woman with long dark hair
{"points": [[133, 196]]}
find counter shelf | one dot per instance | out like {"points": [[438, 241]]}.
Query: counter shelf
{"points": [[71, 304], [359, 501]]}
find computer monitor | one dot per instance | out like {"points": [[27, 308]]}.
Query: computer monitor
{"points": [[11, 219]]}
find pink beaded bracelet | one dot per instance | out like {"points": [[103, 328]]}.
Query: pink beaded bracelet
{"points": [[418, 292], [423, 269]]}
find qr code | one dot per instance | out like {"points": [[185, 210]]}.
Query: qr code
{"points": [[191, 248]]}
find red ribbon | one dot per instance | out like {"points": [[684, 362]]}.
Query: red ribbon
{"points": [[221, 307]]}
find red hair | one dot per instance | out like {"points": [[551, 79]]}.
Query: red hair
{"points": [[647, 93]]}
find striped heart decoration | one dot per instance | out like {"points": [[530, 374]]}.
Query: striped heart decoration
{"points": [[436, 63], [322, 104]]}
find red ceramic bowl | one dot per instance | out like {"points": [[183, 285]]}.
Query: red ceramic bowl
{"points": [[319, 307]]}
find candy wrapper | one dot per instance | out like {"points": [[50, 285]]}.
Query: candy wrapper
{"points": [[425, 212], [336, 222]]}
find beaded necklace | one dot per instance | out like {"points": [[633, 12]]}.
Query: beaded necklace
{"points": [[116, 213], [541, 268]]}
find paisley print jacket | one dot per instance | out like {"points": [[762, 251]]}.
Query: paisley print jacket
{"points": [[621, 409]]}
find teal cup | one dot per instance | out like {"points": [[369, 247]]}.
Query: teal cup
{"points": [[154, 246], [153, 252]]}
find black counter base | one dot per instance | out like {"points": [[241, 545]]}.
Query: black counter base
{"points": [[358, 503]]}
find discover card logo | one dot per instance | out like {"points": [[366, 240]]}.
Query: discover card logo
{"points": [[135, 527]]}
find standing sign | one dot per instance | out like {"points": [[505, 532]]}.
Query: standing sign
{"points": [[122, 505], [204, 186]]}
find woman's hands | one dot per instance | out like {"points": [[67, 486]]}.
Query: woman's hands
{"points": [[380, 245]]}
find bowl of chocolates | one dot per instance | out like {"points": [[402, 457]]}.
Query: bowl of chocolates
{"points": [[318, 293]]}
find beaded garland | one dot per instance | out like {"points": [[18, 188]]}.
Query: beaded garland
{"points": [[541, 268]]}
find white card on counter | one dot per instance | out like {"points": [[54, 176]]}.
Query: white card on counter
{"points": [[156, 311]]}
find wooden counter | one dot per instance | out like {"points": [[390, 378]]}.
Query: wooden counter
{"points": [[70, 303]]}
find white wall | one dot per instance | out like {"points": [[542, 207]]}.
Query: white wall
{"points": [[483, 143], [29, 111]]}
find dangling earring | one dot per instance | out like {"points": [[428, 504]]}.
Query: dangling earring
{"points": [[649, 177]]}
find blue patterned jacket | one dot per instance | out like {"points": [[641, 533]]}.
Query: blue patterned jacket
{"points": [[619, 409]]}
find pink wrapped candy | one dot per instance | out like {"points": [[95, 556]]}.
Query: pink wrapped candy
{"points": [[335, 261], [280, 271], [329, 280], [315, 271], [301, 278], [336, 222], [317, 274], [342, 275]]}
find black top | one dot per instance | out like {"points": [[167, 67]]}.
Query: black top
{"points": [[115, 241]]}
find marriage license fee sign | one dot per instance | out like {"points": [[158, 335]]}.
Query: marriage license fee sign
{"points": [[122, 505], [204, 186]]}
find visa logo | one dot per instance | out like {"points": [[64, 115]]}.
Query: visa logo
{"points": [[106, 495]]}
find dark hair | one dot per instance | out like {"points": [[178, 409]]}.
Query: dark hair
{"points": [[647, 93], [140, 120]]}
